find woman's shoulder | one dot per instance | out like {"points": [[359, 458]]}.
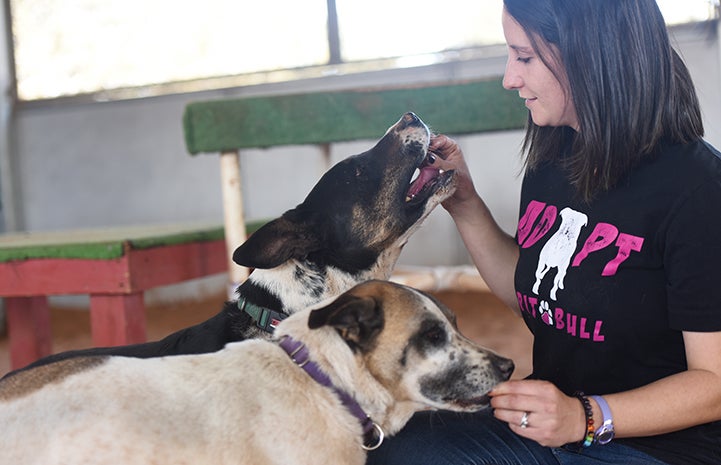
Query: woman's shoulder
{"points": [[698, 151], [683, 177], [695, 160]]}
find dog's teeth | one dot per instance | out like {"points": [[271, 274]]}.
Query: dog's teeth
{"points": [[416, 173], [409, 198]]}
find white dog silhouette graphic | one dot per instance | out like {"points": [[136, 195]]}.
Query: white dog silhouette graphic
{"points": [[557, 252]]}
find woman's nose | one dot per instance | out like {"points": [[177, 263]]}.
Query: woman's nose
{"points": [[511, 79]]}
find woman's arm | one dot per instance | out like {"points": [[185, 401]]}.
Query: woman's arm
{"points": [[494, 252], [677, 402]]}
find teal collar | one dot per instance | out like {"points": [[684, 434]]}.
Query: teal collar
{"points": [[264, 318]]}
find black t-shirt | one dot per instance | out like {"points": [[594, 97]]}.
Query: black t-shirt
{"points": [[608, 286]]}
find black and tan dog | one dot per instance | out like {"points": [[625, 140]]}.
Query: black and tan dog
{"points": [[350, 228], [326, 388]]}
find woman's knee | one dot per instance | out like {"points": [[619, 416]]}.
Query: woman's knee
{"points": [[441, 438]]}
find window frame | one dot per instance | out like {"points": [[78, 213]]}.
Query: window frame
{"points": [[335, 67]]}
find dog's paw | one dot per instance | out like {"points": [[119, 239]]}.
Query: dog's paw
{"points": [[546, 313]]}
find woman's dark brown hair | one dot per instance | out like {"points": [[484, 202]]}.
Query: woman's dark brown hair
{"points": [[630, 88]]}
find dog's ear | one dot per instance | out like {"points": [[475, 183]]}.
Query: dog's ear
{"points": [[275, 243], [357, 319]]}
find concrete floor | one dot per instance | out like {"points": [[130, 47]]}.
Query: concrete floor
{"points": [[481, 317]]}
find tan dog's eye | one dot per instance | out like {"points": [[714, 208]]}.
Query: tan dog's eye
{"points": [[435, 336], [431, 336]]}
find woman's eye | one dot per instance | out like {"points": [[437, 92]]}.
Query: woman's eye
{"points": [[524, 60]]}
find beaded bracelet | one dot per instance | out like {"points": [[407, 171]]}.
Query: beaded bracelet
{"points": [[590, 429]]}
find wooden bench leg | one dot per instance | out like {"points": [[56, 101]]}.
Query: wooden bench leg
{"points": [[29, 333], [117, 319], [235, 233]]}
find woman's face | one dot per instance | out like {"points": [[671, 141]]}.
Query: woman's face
{"points": [[525, 72]]}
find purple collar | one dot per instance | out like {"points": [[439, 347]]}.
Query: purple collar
{"points": [[372, 433]]}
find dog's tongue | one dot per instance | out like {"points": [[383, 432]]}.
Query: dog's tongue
{"points": [[426, 174]]}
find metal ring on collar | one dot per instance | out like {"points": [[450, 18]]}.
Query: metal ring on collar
{"points": [[524, 420], [380, 436]]}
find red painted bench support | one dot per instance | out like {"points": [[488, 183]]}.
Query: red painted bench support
{"points": [[30, 337], [115, 286], [117, 319]]}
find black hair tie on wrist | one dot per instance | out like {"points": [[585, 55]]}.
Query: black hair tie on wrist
{"points": [[590, 429]]}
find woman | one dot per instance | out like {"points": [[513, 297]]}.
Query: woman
{"points": [[616, 264]]}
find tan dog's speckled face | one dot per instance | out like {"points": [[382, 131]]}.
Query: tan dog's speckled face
{"points": [[410, 343]]}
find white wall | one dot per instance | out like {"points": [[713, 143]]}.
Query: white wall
{"points": [[6, 197], [698, 44], [119, 163]]}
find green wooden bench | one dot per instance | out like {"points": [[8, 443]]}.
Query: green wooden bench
{"points": [[116, 266]]}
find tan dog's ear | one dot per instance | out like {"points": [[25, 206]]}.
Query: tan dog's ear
{"points": [[358, 320]]}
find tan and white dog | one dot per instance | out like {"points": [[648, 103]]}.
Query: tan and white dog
{"points": [[391, 349]]}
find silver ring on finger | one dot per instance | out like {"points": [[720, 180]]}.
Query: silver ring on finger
{"points": [[524, 420]]}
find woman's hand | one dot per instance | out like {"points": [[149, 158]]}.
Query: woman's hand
{"points": [[553, 418], [493, 251], [449, 156]]}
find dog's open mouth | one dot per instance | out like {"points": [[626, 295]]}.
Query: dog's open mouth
{"points": [[423, 182]]}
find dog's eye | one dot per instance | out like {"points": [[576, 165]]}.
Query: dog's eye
{"points": [[435, 335], [431, 335]]}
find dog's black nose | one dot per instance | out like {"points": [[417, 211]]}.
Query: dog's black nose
{"points": [[505, 366], [410, 119]]}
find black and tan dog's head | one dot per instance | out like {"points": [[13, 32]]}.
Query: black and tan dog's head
{"points": [[361, 212], [408, 343]]}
